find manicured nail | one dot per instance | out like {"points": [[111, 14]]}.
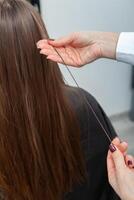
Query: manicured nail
{"points": [[129, 162], [112, 147]]}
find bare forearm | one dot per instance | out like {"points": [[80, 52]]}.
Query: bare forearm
{"points": [[108, 43]]}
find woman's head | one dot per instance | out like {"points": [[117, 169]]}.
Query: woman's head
{"points": [[38, 129], [21, 27]]}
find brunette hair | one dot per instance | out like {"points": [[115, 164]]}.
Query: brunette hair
{"points": [[40, 151]]}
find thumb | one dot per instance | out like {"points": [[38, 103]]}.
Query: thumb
{"points": [[63, 41], [118, 158]]}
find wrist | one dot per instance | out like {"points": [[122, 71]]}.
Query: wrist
{"points": [[108, 43]]}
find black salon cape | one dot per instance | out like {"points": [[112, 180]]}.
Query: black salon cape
{"points": [[95, 147]]}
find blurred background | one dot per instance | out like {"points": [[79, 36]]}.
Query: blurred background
{"points": [[110, 82]]}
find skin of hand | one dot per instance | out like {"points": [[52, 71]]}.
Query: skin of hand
{"points": [[80, 48], [121, 170]]}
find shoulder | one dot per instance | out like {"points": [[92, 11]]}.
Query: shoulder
{"points": [[83, 102], [87, 108], [79, 97]]}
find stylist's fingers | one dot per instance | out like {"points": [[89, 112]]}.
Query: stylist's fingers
{"points": [[129, 161], [118, 159], [116, 141], [111, 169], [41, 43], [122, 146], [110, 163], [63, 41]]}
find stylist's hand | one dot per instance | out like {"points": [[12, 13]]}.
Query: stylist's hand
{"points": [[121, 172], [80, 48]]}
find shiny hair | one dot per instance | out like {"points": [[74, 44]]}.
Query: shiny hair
{"points": [[40, 151]]}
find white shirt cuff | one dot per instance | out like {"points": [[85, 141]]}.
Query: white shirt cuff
{"points": [[125, 48]]}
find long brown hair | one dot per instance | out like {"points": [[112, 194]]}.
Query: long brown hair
{"points": [[40, 151]]}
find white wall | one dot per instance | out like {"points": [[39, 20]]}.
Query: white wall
{"points": [[108, 81]]}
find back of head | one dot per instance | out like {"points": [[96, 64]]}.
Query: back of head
{"points": [[38, 158]]}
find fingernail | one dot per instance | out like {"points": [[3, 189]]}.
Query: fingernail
{"points": [[38, 46], [51, 39], [112, 147], [129, 162]]}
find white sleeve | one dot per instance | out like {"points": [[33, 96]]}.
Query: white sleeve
{"points": [[125, 48]]}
